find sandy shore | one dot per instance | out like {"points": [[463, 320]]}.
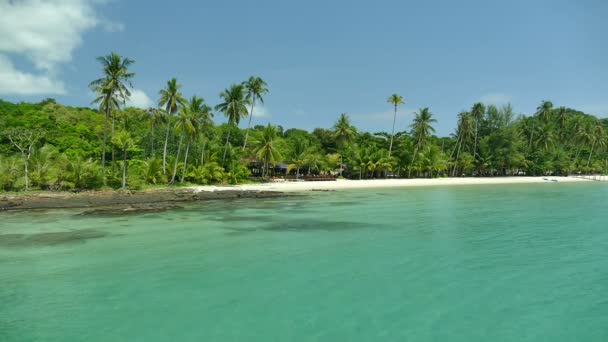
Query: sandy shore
{"points": [[385, 183], [166, 198]]}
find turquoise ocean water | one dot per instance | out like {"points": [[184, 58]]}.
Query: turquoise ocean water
{"points": [[464, 263]]}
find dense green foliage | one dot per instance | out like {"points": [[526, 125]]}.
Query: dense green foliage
{"points": [[50, 146]]}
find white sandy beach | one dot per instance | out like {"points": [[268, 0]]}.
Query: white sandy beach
{"points": [[344, 184]]}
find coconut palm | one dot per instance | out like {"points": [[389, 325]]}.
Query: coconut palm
{"points": [[157, 117], [395, 100], [112, 90], [255, 88], [344, 133], [196, 110], [205, 123], [234, 108], [125, 142], [477, 113], [171, 99], [598, 138], [421, 130], [301, 149], [265, 147], [185, 126], [543, 111], [464, 133]]}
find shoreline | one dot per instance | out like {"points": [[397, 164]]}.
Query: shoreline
{"points": [[347, 184], [161, 199]]}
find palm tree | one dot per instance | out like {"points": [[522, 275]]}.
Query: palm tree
{"points": [[543, 111], [185, 126], [171, 98], [395, 100], [344, 133], [234, 108], [464, 132], [124, 141], [597, 137], [301, 149], [196, 108], [255, 88], [157, 117], [421, 130], [477, 112], [205, 125], [266, 148], [112, 89]]}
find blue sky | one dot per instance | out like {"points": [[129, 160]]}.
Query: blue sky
{"points": [[319, 58]]}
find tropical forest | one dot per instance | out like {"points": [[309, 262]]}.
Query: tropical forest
{"points": [[108, 145]]}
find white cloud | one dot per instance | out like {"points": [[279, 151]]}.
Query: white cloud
{"points": [[259, 111], [496, 99], [15, 82], [139, 99], [45, 33]]}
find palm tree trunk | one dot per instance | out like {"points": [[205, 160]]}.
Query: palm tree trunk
{"points": [[298, 173], [475, 143], [226, 146], [124, 170], [103, 152], [179, 149], [531, 135], [152, 140], [249, 123], [185, 162], [456, 160], [390, 147], [113, 166], [165, 148], [203, 152], [409, 172], [26, 172], [341, 164], [590, 154]]}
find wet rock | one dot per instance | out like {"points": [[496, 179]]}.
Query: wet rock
{"points": [[130, 210], [126, 200], [50, 238]]}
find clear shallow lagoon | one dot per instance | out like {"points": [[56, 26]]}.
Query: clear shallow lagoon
{"points": [[465, 263]]}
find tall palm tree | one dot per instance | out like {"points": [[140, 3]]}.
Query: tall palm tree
{"points": [[266, 147], [205, 124], [171, 98], [598, 138], [157, 117], [421, 130], [234, 108], [299, 153], [563, 118], [124, 141], [185, 126], [344, 133], [543, 111], [464, 132], [395, 100], [255, 88], [196, 109], [112, 90], [477, 113]]}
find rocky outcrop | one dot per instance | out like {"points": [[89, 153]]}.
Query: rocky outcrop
{"points": [[143, 200]]}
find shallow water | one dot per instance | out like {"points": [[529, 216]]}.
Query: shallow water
{"points": [[467, 263]]}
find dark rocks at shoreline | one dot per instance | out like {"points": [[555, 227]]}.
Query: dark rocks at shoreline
{"points": [[121, 210], [49, 238], [124, 202]]}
